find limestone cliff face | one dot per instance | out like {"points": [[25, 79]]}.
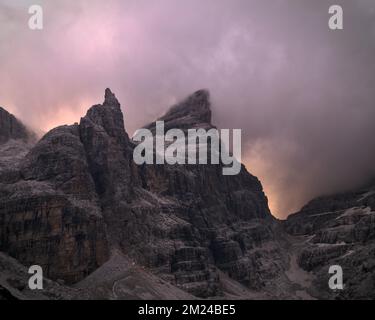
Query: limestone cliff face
{"points": [[49, 212], [52, 232]]}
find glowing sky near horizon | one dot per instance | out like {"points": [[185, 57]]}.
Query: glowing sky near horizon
{"points": [[302, 94]]}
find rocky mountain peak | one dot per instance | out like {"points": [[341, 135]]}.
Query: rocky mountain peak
{"points": [[106, 117], [197, 106], [192, 112], [110, 99]]}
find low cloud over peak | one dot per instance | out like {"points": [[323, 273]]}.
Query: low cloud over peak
{"points": [[303, 94]]}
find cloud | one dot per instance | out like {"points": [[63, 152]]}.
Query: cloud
{"points": [[303, 94]]}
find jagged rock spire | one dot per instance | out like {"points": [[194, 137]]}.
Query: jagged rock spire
{"points": [[107, 117], [110, 99]]}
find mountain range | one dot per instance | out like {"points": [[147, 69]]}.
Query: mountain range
{"points": [[102, 227]]}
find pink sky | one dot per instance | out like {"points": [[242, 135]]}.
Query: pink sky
{"points": [[303, 95]]}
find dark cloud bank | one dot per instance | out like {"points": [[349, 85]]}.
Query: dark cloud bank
{"points": [[303, 94]]}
